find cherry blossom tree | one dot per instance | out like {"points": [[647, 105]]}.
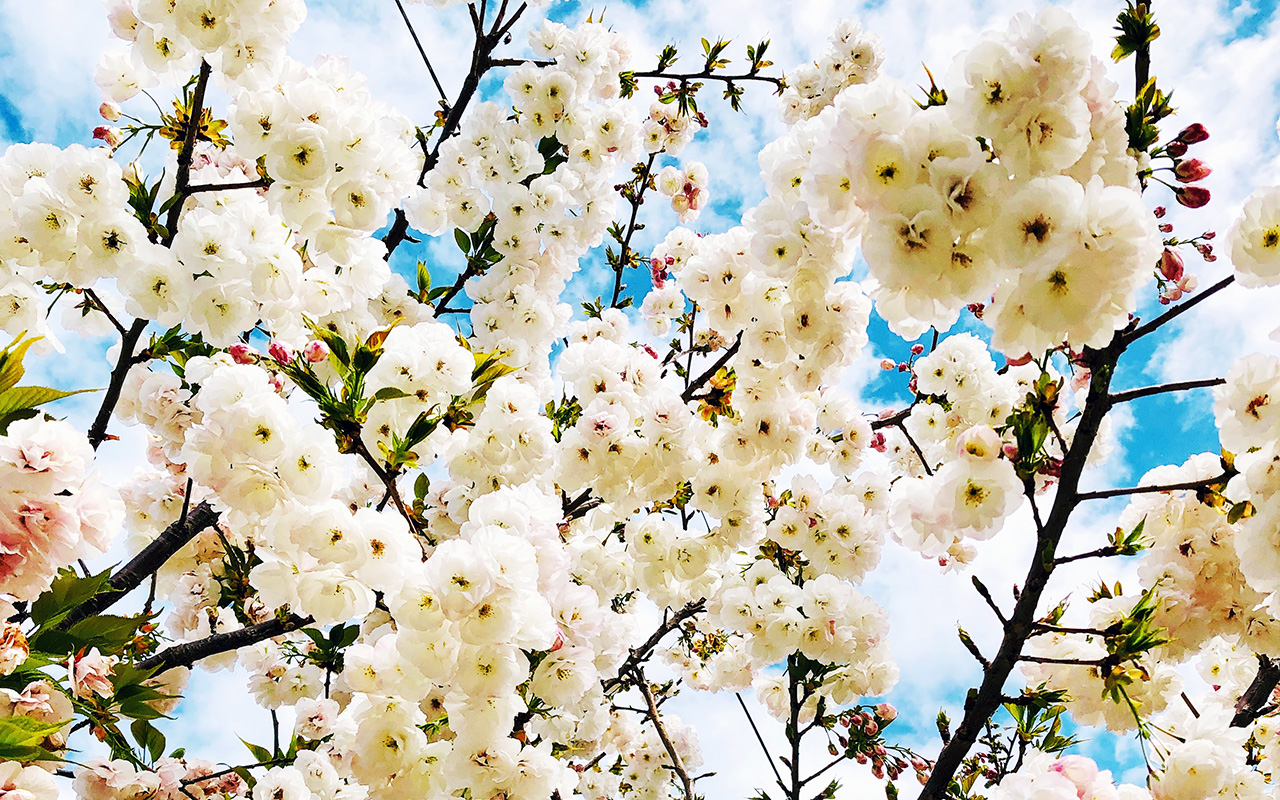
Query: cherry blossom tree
{"points": [[474, 538]]}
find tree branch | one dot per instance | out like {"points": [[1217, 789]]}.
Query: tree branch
{"points": [[188, 653], [1204, 483], [767, 755], [1181, 386], [152, 557], [421, 51], [1173, 313], [1255, 701], [702, 379], [637, 656], [636, 200], [677, 763], [124, 361]]}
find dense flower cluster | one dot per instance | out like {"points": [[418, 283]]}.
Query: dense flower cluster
{"points": [[441, 545], [53, 508]]}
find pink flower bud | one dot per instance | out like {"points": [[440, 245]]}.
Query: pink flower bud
{"points": [[1193, 133], [280, 352], [277, 382], [886, 712], [1176, 148], [1191, 170], [112, 136], [242, 353], [1170, 265], [1011, 451], [877, 442], [315, 351], [917, 349], [1019, 361], [888, 365], [650, 351], [1193, 196], [1165, 227], [872, 729], [1160, 212], [559, 642], [1208, 234], [109, 111]]}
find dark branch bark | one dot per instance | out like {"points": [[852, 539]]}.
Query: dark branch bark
{"points": [[677, 763], [98, 430], [986, 700], [1148, 391], [702, 379], [398, 233], [669, 623], [152, 557], [1256, 699], [260, 183], [636, 200], [1204, 483], [1173, 313], [430, 69], [188, 653]]}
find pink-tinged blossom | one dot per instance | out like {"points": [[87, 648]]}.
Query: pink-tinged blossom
{"points": [[315, 351], [13, 648], [91, 674], [1192, 170]]}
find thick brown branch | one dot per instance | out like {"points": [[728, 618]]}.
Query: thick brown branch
{"points": [[98, 430], [260, 183], [188, 653], [711, 371], [150, 559], [182, 180], [986, 699], [1255, 701]]}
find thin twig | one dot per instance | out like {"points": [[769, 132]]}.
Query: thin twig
{"points": [[637, 656], [421, 51], [677, 763], [1173, 313], [1204, 483], [1181, 386], [767, 755], [189, 653]]}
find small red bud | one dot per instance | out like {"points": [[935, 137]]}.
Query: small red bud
{"points": [[1176, 148], [1166, 228], [1160, 212], [1193, 196], [1170, 265], [917, 349], [1193, 133]]}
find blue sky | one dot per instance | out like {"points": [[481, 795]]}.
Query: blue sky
{"points": [[1213, 54]]}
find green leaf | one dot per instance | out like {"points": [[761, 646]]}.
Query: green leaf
{"points": [[259, 753], [20, 739], [11, 370], [148, 737], [389, 393], [464, 241], [21, 398], [68, 591]]}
